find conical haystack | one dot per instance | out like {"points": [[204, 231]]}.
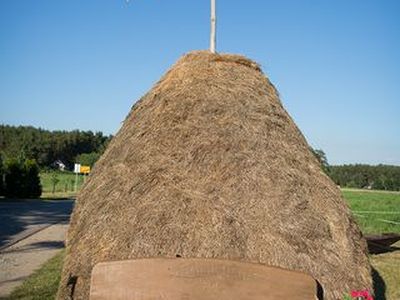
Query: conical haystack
{"points": [[209, 164]]}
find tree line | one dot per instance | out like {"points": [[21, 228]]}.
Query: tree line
{"points": [[46, 147], [362, 176], [25, 150], [380, 177]]}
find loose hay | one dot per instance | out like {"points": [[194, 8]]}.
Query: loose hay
{"points": [[209, 164]]}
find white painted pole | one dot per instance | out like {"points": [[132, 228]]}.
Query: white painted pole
{"points": [[213, 36], [76, 182]]}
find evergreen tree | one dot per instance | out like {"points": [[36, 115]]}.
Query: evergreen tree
{"points": [[321, 157]]}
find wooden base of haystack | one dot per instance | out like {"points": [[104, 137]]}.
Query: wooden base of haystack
{"points": [[197, 279]]}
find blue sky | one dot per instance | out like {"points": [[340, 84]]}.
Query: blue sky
{"points": [[67, 64]]}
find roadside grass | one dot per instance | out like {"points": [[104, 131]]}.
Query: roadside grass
{"points": [[375, 211], [347, 189], [44, 197], [58, 196], [64, 185], [42, 284]]}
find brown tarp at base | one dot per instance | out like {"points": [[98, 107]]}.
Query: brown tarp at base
{"points": [[197, 279]]}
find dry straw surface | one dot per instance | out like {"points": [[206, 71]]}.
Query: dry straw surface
{"points": [[209, 164]]}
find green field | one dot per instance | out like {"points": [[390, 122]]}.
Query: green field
{"points": [[64, 183], [378, 212], [375, 211]]}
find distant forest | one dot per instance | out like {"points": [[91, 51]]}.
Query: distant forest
{"points": [[47, 147], [362, 176], [380, 177]]}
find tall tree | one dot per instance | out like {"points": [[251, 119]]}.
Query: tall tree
{"points": [[321, 157]]}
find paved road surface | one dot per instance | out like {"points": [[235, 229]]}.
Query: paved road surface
{"points": [[20, 260], [21, 219], [31, 232]]}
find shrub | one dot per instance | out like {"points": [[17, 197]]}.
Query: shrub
{"points": [[22, 179], [13, 179], [33, 188]]}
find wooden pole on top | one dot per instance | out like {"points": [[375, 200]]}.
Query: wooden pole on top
{"points": [[213, 36]]}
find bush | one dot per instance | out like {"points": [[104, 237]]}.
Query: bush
{"points": [[33, 188], [22, 179], [13, 178]]}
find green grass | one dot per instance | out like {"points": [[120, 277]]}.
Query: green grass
{"points": [[375, 210], [65, 184], [369, 209], [43, 283]]}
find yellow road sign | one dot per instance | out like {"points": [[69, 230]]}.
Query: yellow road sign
{"points": [[84, 170]]}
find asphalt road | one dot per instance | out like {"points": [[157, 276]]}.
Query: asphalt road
{"points": [[23, 218]]}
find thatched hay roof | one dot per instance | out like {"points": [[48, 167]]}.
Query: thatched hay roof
{"points": [[209, 164]]}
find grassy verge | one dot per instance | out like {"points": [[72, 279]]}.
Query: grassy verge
{"points": [[43, 283], [375, 211], [345, 189], [63, 182], [58, 196], [45, 196]]}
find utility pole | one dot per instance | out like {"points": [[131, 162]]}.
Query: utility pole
{"points": [[213, 35]]}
